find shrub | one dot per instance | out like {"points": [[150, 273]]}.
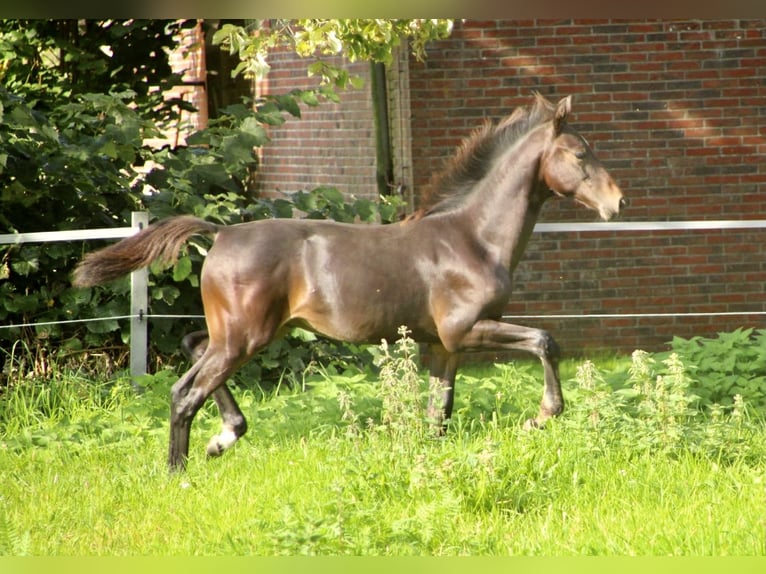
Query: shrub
{"points": [[728, 365], [74, 127]]}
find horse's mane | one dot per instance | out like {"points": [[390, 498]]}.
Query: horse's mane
{"points": [[476, 155]]}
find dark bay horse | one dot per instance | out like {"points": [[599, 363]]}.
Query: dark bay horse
{"points": [[445, 272]]}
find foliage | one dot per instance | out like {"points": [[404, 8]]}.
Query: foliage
{"points": [[47, 60], [356, 39], [728, 365], [79, 101]]}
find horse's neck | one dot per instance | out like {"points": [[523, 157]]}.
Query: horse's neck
{"points": [[506, 206]]}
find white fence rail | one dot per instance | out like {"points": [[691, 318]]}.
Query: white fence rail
{"points": [[139, 314], [652, 225], [138, 282], [619, 226]]}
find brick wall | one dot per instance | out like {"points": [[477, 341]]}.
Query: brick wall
{"points": [[676, 111], [332, 144]]}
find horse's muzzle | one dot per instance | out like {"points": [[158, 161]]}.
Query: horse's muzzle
{"points": [[624, 202]]}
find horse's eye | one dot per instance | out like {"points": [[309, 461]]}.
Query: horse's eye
{"points": [[580, 154]]}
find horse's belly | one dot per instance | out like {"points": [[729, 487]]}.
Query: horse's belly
{"points": [[365, 317]]}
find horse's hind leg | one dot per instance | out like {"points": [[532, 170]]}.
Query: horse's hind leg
{"points": [[194, 345], [207, 376], [234, 422], [180, 427], [234, 425]]}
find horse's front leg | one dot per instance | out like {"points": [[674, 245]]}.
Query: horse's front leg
{"points": [[496, 335], [441, 387]]}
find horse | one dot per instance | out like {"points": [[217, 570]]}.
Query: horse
{"points": [[444, 272]]}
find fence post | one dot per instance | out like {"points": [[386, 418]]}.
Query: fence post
{"points": [[138, 310]]}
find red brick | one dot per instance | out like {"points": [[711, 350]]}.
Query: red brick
{"points": [[676, 106]]}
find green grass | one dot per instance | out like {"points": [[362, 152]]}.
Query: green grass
{"points": [[633, 467]]}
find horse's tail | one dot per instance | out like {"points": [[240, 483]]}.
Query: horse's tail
{"points": [[162, 240]]}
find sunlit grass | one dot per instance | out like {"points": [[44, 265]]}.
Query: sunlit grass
{"points": [[326, 471]]}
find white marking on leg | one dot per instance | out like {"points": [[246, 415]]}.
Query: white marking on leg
{"points": [[222, 441]]}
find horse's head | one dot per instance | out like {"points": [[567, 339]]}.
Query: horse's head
{"points": [[570, 169]]}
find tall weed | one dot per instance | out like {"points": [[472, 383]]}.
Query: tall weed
{"points": [[654, 410], [403, 413]]}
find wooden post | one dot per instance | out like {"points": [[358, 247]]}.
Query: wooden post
{"points": [[138, 310]]}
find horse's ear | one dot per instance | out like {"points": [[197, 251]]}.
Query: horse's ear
{"points": [[562, 111]]}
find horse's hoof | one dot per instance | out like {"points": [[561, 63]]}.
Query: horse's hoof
{"points": [[222, 442], [176, 467], [531, 424], [438, 431], [214, 448]]}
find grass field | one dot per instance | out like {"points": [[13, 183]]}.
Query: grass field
{"points": [[347, 465]]}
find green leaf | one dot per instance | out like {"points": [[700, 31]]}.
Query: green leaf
{"points": [[75, 298], [283, 208], [252, 127], [309, 97], [269, 113], [239, 146], [100, 327], [198, 138], [167, 293], [17, 303], [27, 267], [356, 81], [288, 103], [182, 268], [109, 149]]}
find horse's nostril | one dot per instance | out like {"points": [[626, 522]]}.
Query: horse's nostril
{"points": [[624, 203]]}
